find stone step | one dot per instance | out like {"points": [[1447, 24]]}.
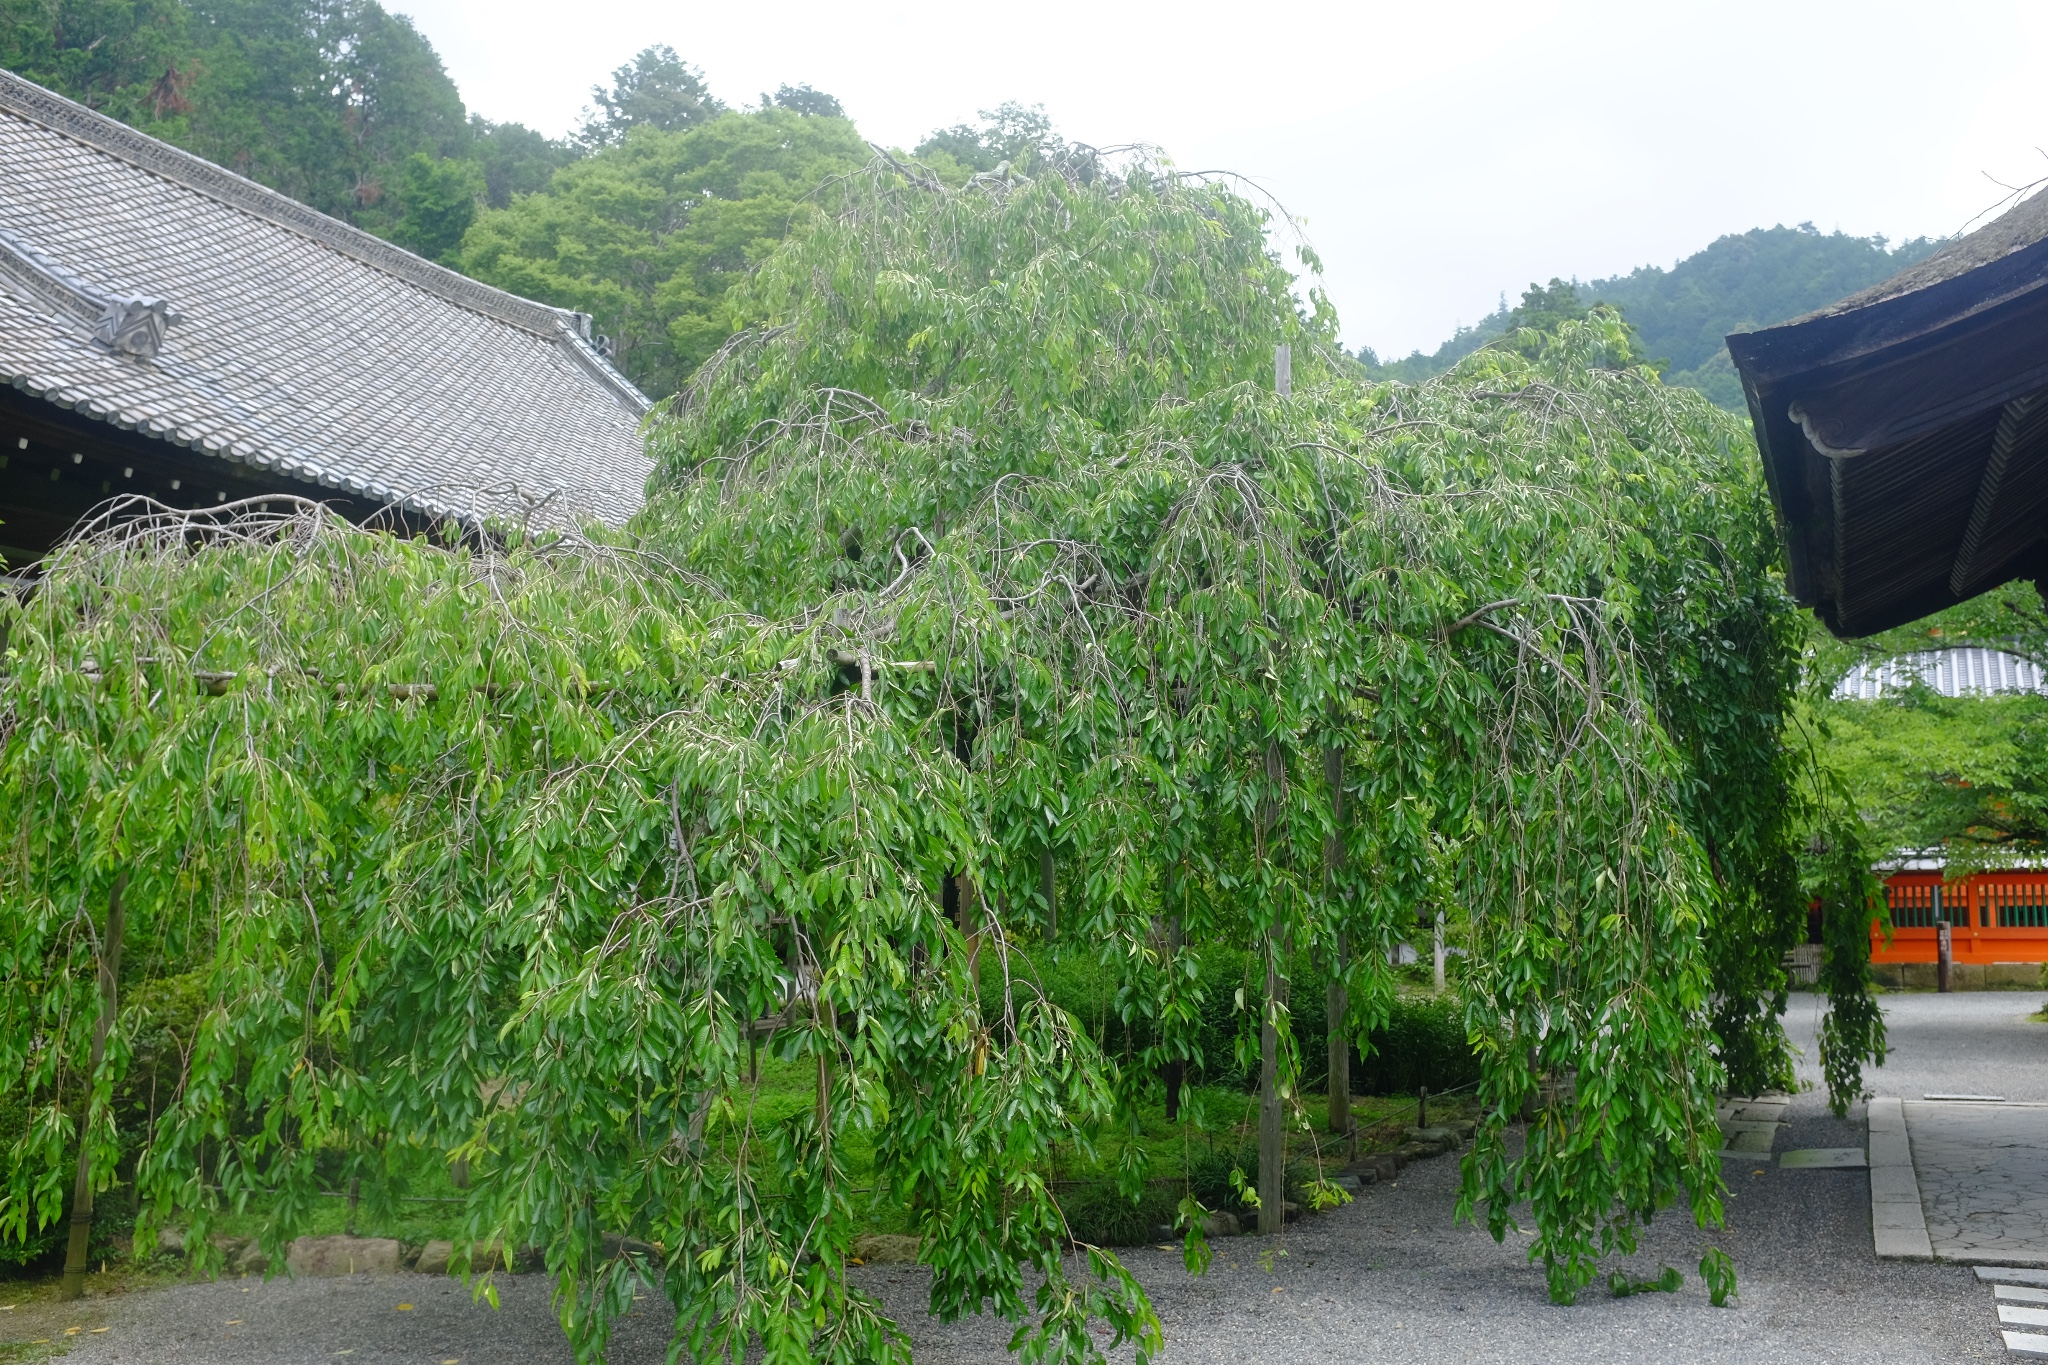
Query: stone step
{"points": [[1749, 1137]]}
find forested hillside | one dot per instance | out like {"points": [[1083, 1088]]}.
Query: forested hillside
{"points": [[338, 103], [1744, 280]]}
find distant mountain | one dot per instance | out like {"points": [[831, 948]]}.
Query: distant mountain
{"points": [[1743, 281]]}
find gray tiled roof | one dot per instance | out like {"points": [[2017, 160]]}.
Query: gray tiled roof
{"points": [[295, 342], [1966, 671]]}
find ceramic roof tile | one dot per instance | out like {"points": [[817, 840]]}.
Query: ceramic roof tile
{"points": [[296, 342]]}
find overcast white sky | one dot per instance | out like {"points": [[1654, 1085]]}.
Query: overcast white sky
{"points": [[1441, 153]]}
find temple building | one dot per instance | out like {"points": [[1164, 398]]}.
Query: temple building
{"points": [[1904, 434], [172, 330]]}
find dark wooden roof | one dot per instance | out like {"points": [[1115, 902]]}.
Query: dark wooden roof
{"points": [[1904, 430]]}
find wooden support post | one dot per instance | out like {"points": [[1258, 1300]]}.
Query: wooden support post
{"points": [[1439, 951], [1048, 887], [830, 1022], [1176, 1070], [967, 896], [73, 1286], [1272, 1121], [1337, 1005], [1339, 1002]]}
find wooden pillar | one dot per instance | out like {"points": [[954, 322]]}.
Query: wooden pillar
{"points": [[73, 1286]]}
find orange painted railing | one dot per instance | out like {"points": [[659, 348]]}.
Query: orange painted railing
{"points": [[1994, 917]]}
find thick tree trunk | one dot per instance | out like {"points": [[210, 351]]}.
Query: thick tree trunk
{"points": [[110, 1003]]}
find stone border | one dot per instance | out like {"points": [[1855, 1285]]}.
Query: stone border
{"points": [[1898, 1225]]}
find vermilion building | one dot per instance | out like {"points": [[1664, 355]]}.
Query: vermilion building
{"points": [[1998, 927]]}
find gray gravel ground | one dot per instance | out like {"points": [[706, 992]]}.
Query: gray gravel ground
{"points": [[1385, 1279], [1971, 1042]]}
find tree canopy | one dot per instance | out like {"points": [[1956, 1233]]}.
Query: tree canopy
{"points": [[1960, 776], [657, 89], [1011, 134], [988, 591], [647, 236]]}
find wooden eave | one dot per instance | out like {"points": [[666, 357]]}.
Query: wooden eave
{"points": [[57, 466], [1903, 443]]}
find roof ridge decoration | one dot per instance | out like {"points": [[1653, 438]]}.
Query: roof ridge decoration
{"points": [[126, 323], [26, 99]]}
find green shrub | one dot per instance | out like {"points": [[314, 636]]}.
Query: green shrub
{"points": [[1076, 980], [1100, 1214], [1422, 1042]]}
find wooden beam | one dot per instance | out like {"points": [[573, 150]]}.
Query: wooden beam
{"points": [[1988, 537], [56, 466]]}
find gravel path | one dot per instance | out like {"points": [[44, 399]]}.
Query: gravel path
{"points": [[1385, 1279], [1970, 1042]]}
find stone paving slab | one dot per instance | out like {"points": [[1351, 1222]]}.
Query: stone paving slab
{"points": [[2018, 1315], [2012, 1274], [1982, 1170], [1757, 1109], [1749, 1127], [2026, 1343], [2019, 1293], [1824, 1159]]}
